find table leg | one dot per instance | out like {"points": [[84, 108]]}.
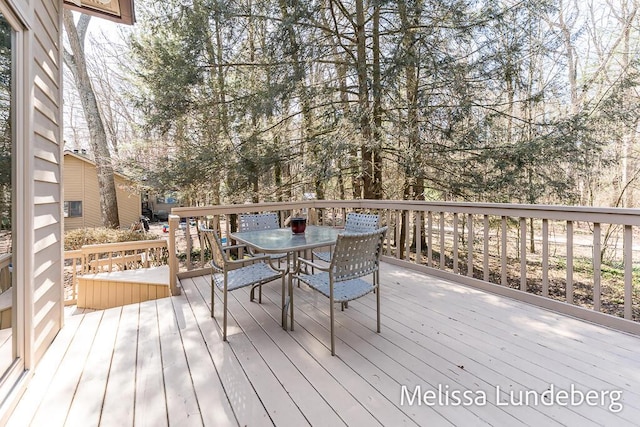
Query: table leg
{"points": [[295, 270], [285, 300]]}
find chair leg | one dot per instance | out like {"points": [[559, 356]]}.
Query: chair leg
{"points": [[224, 316], [283, 315], [331, 312], [291, 300], [378, 300], [213, 295]]}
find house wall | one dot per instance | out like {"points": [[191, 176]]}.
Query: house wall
{"points": [[129, 203], [37, 303], [46, 142], [81, 184]]}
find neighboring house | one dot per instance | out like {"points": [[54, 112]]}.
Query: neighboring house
{"points": [[82, 196], [35, 54], [157, 205]]}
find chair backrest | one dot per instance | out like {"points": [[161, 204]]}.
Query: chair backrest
{"points": [[262, 221], [361, 223], [357, 254], [212, 242]]}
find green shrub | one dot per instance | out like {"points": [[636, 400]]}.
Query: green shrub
{"points": [[75, 239]]}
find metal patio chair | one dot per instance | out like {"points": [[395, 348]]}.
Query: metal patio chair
{"points": [[261, 221], [355, 223], [229, 275], [356, 255]]}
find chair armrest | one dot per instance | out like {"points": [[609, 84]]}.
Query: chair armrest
{"points": [[233, 264], [231, 247], [312, 264]]}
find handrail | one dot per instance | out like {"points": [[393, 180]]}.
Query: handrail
{"points": [[625, 216], [107, 256], [124, 246], [492, 246]]}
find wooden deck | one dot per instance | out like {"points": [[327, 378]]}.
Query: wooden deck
{"points": [[163, 362]]}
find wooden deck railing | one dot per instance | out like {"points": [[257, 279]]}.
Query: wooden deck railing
{"points": [[111, 257], [576, 260], [5, 273]]}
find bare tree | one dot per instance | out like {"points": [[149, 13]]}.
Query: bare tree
{"points": [[76, 62]]}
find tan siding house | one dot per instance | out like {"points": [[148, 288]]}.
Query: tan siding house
{"points": [[82, 197], [36, 297]]}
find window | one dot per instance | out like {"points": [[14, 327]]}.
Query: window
{"points": [[72, 209]]}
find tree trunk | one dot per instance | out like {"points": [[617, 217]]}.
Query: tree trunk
{"points": [[363, 103], [415, 191], [307, 113], [97, 137], [376, 157]]}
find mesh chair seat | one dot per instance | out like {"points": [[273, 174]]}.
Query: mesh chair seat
{"points": [[342, 291], [246, 276]]}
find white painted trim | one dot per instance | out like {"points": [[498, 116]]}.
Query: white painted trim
{"points": [[61, 160], [14, 383], [25, 180], [18, 13]]}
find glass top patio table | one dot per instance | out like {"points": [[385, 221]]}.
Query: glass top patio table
{"points": [[280, 240]]}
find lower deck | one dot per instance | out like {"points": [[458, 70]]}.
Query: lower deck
{"points": [[447, 355]]}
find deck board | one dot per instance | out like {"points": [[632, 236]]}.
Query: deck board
{"points": [[182, 404], [150, 400], [64, 383], [89, 395], [39, 385], [119, 400], [242, 395], [163, 362]]}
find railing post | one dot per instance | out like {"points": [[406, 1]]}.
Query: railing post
{"points": [[569, 286], [485, 256], [503, 252], [187, 235], [469, 245], [397, 234], [442, 260], [627, 247], [407, 240], [418, 231], [456, 237], [174, 223], [523, 254], [597, 273], [545, 257], [430, 239]]}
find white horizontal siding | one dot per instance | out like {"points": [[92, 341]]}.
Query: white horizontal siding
{"points": [[47, 174]]}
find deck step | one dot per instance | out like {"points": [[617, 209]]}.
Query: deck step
{"points": [[118, 288]]}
